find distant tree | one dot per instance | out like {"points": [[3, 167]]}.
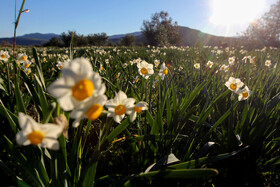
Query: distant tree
{"points": [[266, 30], [98, 39], [55, 41], [161, 31], [67, 37], [128, 40]]}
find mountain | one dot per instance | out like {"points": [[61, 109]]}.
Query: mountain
{"points": [[30, 39], [190, 37]]}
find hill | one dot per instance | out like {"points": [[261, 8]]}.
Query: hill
{"points": [[30, 39], [190, 37]]}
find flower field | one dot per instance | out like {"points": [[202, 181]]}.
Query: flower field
{"points": [[140, 116]]}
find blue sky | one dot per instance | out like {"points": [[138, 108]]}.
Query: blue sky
{"points": [[110, 16]]}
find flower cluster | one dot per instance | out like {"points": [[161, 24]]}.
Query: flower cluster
{"points": [[238, 87]]}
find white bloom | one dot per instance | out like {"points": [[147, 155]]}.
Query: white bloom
{"points": [[145, 69], [209, 64], [231, 60], [163, 71], [22, 57], [268, 63], [42, 135], [4, 55], [234, 84], [138, 108], [77, 84], [91, 109], [119, 106], [197, 66], [157, 63], [244, 93]]}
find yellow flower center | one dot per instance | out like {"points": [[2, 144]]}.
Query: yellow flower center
{"points": [[233, 86], [94, 111], [144, 71], [3, 56], [27, 65], [23, 58], [165, 71], [120, 110], [28, 71], [82, 90], [35, 137], [60, 67], [138, 109], [101, 68], [245, 94], [137, 80]]}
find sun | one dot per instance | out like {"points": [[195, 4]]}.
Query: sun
{"points": [[232, 12]]}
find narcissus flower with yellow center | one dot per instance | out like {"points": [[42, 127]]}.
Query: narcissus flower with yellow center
{"points": [[22, 57], [119, 106], [145, 69], [4, 55], [234, 84], [231, 60], [163, 71], [196, 66], [42, 135], [77, 84], [268, 63], [209, 64], [91, 109], [137, 109], [157, 63], [244, 93]]}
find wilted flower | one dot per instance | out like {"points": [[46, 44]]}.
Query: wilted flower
{"points": [[77, 84], [42, 135], [119, 106]]}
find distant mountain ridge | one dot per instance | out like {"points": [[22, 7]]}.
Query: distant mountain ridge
{"points": [[190, 37]]}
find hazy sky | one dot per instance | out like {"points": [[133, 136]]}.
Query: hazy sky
{"points": [[112, 16]]}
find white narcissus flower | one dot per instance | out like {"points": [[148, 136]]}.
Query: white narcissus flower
{"points": [[268, 63], [234, 84], [4, 55], [145, 69], [157, 63], [42, 135], [91, 109], [209, 64], [119, 106], [163, 71], [231, 60], [138, 108], [244, 93], [22, 57], [77, 84], [196, 66]]}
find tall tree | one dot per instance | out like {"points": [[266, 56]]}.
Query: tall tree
{"points": [[266, 30], [161, 30]]}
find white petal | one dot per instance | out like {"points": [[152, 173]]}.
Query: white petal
{"points": [[118, 118], [50, 143], [66, 102], [132, 116], [129, 102], [22, 139], [59, 88], [51, 130]]}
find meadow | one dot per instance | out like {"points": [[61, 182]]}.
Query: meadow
{"points": [[140, 116]]}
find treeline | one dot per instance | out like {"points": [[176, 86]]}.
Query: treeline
{"points": [[99, 39]]}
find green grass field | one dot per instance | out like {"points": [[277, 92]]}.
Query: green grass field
{"points": [[140, 116]]}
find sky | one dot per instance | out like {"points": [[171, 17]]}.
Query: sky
{"points": [[121, 16]]}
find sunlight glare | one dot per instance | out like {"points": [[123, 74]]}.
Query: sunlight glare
{"points": [[228, 12]]}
